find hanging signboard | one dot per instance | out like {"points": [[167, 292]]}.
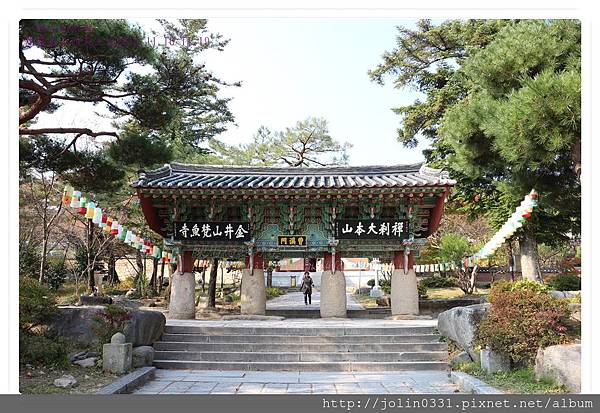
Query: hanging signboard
{"points": [[211, 231], [291, 241], [372, 229]]}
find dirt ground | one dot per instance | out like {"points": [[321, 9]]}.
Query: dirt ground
{"points": [[33, 380]]}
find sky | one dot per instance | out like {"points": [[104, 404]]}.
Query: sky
{"points": [[291, 69]]}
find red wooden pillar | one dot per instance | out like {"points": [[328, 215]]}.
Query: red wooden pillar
{"points": [[399, 260], [327, 260], [310, 264], [185, 262], [258, 261]]}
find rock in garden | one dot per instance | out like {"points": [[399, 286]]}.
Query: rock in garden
{"points": [[130, 293], [494, 361], [575, 311], [94, 300], [460, 358], [562, 364], [66, 381], [384, 301], [145, 327], [77, 324], [142, 356], [87, 362], [460, 324]]}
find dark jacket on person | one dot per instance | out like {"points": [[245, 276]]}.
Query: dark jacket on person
{"points": [[306, 286]]}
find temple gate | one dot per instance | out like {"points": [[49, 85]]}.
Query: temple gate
{"points": [[261, 214]]}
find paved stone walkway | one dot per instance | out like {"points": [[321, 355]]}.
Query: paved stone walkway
{"points": [[295, 301], [264, 382], [307, 322]]}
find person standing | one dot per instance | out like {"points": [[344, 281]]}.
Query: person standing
{"points": [[306, 288]]}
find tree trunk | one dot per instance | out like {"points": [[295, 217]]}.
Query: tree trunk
{"points": [[154, 277], [161, 279], [90, 256], [140, 272], [212, 284], [113, 277], [44, 258], [530, 261], [203, 278]]}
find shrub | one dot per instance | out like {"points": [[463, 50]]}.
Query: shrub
{"points": [[29, 261], [37, 305], [56, 274], [522, 320], [273, 292], [111, 321], [438, 282], [386, 286], [502, 286], [42, 350], [422, 288], [371, 282], [565, 282]]}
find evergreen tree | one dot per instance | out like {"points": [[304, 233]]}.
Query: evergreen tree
{"points": [[502, 110]]}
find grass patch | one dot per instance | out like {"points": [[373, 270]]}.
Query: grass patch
{"points": [[366, 300], [452, 292], [518, 381]]}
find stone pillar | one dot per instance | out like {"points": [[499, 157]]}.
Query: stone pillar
{"points": [[253, 300], [116, 355], [405, 295], [333, 287], [182, 303]]}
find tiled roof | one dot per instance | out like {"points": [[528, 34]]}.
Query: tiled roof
{"points": [[183, 176]]}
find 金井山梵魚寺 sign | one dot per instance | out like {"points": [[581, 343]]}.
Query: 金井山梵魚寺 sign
{"points": [[291, 241], [372, 229], [211, 231]]}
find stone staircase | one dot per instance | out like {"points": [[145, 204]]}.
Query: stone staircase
{"points": [[301, 349]]}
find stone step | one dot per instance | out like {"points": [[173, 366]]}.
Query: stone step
{"points": [[289, 357], [302, 366], [304, 348], [306, 339], [297, 331]]}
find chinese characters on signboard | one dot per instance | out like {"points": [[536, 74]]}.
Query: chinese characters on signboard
{"points": [[291, 241], [371, 229], [212, 231]]}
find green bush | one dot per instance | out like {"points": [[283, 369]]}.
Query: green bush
{"points": [[42, 350], [522, 320], [371, 282], [502, 286], [29, 261], [273, 292], [111, 321], [565, 282], [422, 288], [56, 274], [386, 286], [438, 282], [37, 305]]}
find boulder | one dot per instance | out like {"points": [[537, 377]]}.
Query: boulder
{"points": [[87, 362], [142, 356], [66, 381], [94, 300], [460, 324], [575, 311], [493, 361], [562, 364], [460, 358], [77, 324], [362, 290], [145, 327], [384, 301]]}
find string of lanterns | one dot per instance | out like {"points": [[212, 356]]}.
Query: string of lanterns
{"points": [[91, 211], [512, 224]]}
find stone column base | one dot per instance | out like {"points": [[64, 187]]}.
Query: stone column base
{"points": [[405, 295], [182, 304], [333, 294], [253, 298]]}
